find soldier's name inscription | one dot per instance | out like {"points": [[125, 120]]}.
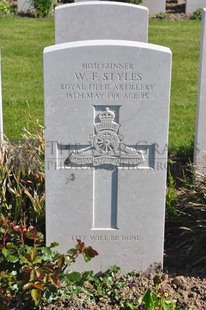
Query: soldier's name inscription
{"points": [[95, 81]]}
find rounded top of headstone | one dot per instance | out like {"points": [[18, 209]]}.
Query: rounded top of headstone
{"points": [[102, 3]]}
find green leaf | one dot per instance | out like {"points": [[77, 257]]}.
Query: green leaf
{"points": [[147, 298], [68, 261], [5, 252], [74, 276], [54, 244], [47, 251], [32, 275], [12, 246], [24, 260], [60, 262], [89, 253], [12, 258], [37, 260], [167, 305], [72, 251], [36, 296], [130, 306]]}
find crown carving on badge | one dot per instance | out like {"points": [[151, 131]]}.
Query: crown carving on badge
{"points": [[106, 118]]}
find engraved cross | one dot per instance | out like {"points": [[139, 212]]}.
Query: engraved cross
{"points": [[105, 154]]}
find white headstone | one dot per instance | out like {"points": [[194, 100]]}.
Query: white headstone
{"points": [[84, 0], [1, 107], [179, 2], [155, 6], [193, 5], [25, 6], [94, 20], [106, 120], [200, 144]]}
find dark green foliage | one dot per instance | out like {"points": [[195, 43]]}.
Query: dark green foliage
{"points": [[171, 196], [30, 273], [197, 14], [5, 7], [162, 15], [30, 276], [110, 285], [42, 7]]}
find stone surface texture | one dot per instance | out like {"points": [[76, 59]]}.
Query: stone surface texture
{"points": [[155, 6], [25, 6], [180, 2], [200, 144], [106, 118], [193, 5], [97, 20]]}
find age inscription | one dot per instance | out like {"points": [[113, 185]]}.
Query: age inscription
{"points": [[107, 81]]}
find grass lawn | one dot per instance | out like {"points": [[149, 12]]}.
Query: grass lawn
{"points": [[22, 42], [183, 38]]}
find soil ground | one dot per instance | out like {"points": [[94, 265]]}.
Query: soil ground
{"points": [[183, 277], [189, 292]]}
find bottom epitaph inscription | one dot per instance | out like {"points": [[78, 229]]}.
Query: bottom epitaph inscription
{"points": [[101, 237]]}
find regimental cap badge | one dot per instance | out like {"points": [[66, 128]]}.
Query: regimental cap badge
{"points": [[106, 146], [106, 118]]}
